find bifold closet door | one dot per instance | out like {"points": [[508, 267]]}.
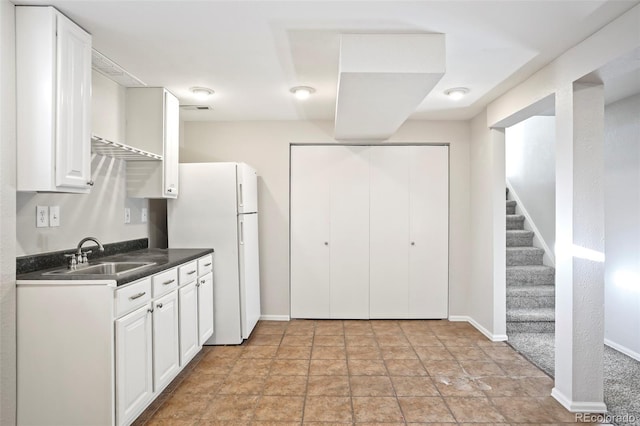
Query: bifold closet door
{"points": [[329, 231]]}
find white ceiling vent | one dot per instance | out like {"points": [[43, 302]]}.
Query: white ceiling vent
{"points": [[196, 107], [382, 80], [115, 72]]}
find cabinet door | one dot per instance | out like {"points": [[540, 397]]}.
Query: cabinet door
{"points": [[205, 308], [309, 231], [171, 144], [349, 232], [166, 361], [73, 108], [429, 231], [134, 384], [389, 232], [188, 299]]}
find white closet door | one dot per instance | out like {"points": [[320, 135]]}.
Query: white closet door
{"points": [[389, 232], [310, 232], [429, 231], [349, 242]]}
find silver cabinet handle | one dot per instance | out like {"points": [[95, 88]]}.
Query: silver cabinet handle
{"points": [[169, 189], [191, 272], [168, 282], [159, 305], [90, 183], [207, 264], [149, 311], [202, 281], [137, 296]]}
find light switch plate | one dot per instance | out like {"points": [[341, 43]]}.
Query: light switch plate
{"points": [[42, 216], [127, 215], [144, 215], [54, 216]]}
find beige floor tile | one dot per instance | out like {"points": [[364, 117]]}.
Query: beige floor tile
{"points": [[500, 386], [414, 386], [520, 369], [367, 367], [297, 340], [425, 409], [376, 409], [457, 386], [355, 327], [276, 329], [328, 367], [360, 340], [398, 352], [259, 352], [328, 340], [424, 340], [476, 410], [405, 367], [392, 340], [433, 353], [328, 385], [293, 352], [478, 368], [333, 329], [231, 408], [182, 407], [328, 352], [371, 386], [224, 351], [279, 408], [243, 385], [328, 409], [200, 384], [290, 367], [251, 367], [214, 365], [448, 368], [264, 340], [522, 410], [503, 354], [363, 352], [171, 422], [537, 386], [455, 341], [467, 353], [285, 385]]}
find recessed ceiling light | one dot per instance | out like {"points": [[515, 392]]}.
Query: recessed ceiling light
{"points": [[456, 93], [201, 92], [302, 92]]}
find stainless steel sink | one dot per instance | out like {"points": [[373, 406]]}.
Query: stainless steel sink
{"points": [[104, 268]]}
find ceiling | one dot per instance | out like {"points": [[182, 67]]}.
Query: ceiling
{"points": [[252, 52]]}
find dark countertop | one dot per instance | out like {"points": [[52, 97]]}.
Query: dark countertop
{"points": [[164, 259]]}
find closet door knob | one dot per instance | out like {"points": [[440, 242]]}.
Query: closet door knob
{"points": [[413, 243], [326, 243]]}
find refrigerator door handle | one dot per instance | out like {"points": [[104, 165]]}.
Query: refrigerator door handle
{"points": [[241, 232], [240, 195]]}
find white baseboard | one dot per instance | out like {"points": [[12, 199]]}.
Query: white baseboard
{"points": [[578, 407], [549, 256], [628, 352], [480, 328], [275, 318]]}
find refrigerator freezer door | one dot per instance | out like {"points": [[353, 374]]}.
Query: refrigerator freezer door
{"points": [[249, 272], [247, 189]]}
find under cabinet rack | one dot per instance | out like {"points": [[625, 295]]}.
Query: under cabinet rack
{"points": [[121, 151]]}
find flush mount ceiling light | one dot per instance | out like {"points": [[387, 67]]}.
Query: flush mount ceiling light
{"points": [[201, 92], [456, 93], [302, 92]]}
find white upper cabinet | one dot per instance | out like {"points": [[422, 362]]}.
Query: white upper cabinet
{"points": [[53, 75], [153, 125]]}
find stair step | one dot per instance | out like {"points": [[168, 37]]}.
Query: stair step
{"points": [[531, 327], [511, 207], [515, 221], [531, 315], [524, 256], [531, 291], [519, 238], [530, 302], [530, 275]]}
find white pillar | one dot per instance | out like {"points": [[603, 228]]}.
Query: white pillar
{"points": [[579, 248], [499, 184]]}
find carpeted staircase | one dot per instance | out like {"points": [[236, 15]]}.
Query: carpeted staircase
{"points": [[530, 284]]}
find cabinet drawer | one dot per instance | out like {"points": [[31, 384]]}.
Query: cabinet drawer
{"points": [[133, 296], [188, 272], [205, 265], [165, 281]]}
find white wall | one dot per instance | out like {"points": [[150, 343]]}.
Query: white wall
{"points": [[7, 213], [265, 145], [622, 225], [531, 171]]}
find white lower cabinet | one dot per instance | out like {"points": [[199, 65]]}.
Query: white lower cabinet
{"points": [[134, 368], [110, 350]]}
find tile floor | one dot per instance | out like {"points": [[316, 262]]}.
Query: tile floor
{"points": [[359, 372]]}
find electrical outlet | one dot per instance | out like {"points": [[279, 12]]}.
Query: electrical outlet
{"points": [[144, 215], [42, 216], [54, 216], [127, 215]]}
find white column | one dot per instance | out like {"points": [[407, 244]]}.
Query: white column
{"points": [[499, 236], [579, 248]]}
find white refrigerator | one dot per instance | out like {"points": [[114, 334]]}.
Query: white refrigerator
{"points": [[218, 208]]}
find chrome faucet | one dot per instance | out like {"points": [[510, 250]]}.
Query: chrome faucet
{"points": [[80, 257]]}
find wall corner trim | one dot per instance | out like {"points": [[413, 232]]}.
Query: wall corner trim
{"points": [[275, 318], [578, 407], [480, 328]]}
